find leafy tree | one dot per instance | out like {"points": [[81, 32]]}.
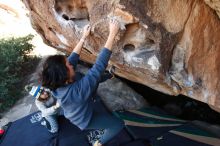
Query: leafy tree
{"points": [[15, 62]]}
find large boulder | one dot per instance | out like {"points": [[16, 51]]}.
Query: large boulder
{"points": [[116, 95], [171, 46]]}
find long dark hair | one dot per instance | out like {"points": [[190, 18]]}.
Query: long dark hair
{"points": [[55, 72]]}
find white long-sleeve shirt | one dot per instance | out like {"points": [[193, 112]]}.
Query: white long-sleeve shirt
{"points": [[46, 107]]}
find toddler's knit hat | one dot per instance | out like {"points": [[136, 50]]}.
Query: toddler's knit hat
{"points": [[35, 91]]}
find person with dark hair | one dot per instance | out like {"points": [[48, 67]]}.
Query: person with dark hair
{"points": [[74, 92]]}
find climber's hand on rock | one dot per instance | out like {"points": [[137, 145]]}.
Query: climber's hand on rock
{"points": [[113, 30], [113, 27], [78, 47], [86, 31]]}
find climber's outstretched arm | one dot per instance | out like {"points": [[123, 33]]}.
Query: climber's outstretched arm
{"points": [[113, 28], [86, 31]]}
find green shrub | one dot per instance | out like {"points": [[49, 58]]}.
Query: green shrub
{"points": [[14, 62]]}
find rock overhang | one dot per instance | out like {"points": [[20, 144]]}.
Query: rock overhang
{"points": [[170, 46]]}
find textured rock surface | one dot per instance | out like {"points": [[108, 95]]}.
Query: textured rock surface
{"points": [[172, 46], [118, 96], [214, 4]]}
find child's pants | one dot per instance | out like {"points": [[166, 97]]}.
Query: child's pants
{"points": [[51, 123]]}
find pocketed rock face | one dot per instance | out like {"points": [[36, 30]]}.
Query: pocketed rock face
{"points": [[172, 46]]}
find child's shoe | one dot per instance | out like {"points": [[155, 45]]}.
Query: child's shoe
{"points": [[97, 143], [53, 131], [43, 123]]}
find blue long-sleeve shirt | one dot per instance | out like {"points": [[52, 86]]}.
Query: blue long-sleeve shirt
{"points": [[76, 98]]}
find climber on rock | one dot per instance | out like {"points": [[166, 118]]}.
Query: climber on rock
{"points": [[74, 92]]}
